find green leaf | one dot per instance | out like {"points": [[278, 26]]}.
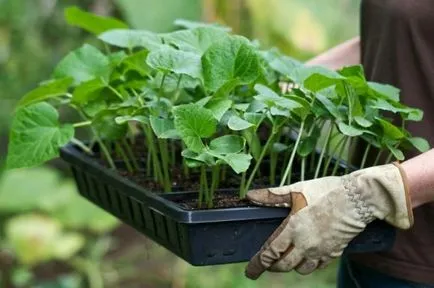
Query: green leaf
{"points": [[137, 62], [227, 144], [236, 123], [282, 64], [419, 143], [384, 91], [352, 71], [88, 91], [229, 59], [329, 106], [225, 90], [363, 121], [271, 98], [36, 136], [350, 131], [315, 78], [196, 159], [197, 40], [163, 128], [127, 38], [194, 123], [168, 59], [279, 147], [67, 245], [84, 64], [46, 91], [239, 162], [218, 107], [92, 23], [254, 118], [396, 152], [390, 131], [107, 128], [307, 146]]}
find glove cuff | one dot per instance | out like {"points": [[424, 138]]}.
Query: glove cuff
{"points": [[407, 193]]}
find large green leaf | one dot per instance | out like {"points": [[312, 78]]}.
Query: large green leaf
{"points": [[227, 144], [36, 136], [107, 127], [137, 62], [271, 98], [47, 90], [239, 162], [349, 130], [126, 38], [84, 64], [196, 40], [229, 59], [390, 131], [168, 59], [419, 143], [193, 123], [92, 23], [88, 91], [389, 92], [280, 63]]}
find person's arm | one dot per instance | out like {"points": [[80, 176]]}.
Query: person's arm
{"points": [[345, 54], [420, 178]]}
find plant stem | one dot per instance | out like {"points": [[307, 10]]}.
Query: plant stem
{"points": [[119, 95], [223, 174], [287, 175], [184, 164], [338, 160], [122, 153], [258, 163], [161, 88], [303, 167], [82, 146], [389, 157], [82, 124], [347, 167], [104, 149], [201, 189], [165, 161], [273, 164], [350, 109], [131, 154], [158, 176], [324, 148], [214, 183], [330, 157], [365, 156], [148, 162], [172, 153]]}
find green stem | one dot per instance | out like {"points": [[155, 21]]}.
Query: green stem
{"points": [[365, 156], [131, 155], [148, 162], [165, 161], [158, 175], [324, 148], [350, 109], [184, 164], [82, 124], [347, 167], [389, 157], [172, 154], [124, 157], [338, 159], [303, 167], [161, 88], [214, 184], [223, 174], [273, 164], [258, 163], [104, 149], [287, 175], [330, 157], [119, 95], [82, 146], [201, 189]]}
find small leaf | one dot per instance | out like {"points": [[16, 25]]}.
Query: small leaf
{"points": [[227, 144], [218, 107], [194, 123], [163, 128], [168, 59], [419, 143], [137, 62], [279, 147], [84, 64], [307, 146], [88, 91], [384, 91], [36, 136], [198, 159], [350, 131], [396, 152], [271, 98], [127, 38], [254, 118], [237, 124], [92, 23], [107, 128], [46, 91], [363, 121], [188, 24], [329, 106], [390, 131]]}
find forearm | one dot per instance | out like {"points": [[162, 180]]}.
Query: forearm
{"points": [[420, 178], [345, 54]]}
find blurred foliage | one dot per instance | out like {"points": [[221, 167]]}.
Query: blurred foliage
{"points": [[33, 37]]}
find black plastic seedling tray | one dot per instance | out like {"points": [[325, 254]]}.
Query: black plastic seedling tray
{"points": [[200, 237]]}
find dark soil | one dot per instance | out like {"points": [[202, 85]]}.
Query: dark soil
{"points": [[222, 199]]}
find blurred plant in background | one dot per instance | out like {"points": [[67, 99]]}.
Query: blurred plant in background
{"points": [[46, 230]]}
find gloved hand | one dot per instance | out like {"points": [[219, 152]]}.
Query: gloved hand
{"points": [[326, 214]]}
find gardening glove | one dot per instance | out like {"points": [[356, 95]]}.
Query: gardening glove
{"points": [[326, 214]]}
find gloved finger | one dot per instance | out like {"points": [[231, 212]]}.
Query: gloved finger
{"points": [[274, 197], [289, 260], [307, 266], [324, 262], [276, 245]]}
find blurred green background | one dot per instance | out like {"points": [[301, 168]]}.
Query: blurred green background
{"points": [[49, 236]]}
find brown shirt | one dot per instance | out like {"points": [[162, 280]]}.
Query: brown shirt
{"points": [[397, 39]]}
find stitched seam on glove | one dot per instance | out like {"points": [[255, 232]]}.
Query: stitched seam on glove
{"points": [[350, 186]]}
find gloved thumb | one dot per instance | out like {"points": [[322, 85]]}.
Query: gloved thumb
{"points": [[273, 197]]}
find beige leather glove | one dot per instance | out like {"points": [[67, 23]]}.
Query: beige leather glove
{"points": [[326, 214]]}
